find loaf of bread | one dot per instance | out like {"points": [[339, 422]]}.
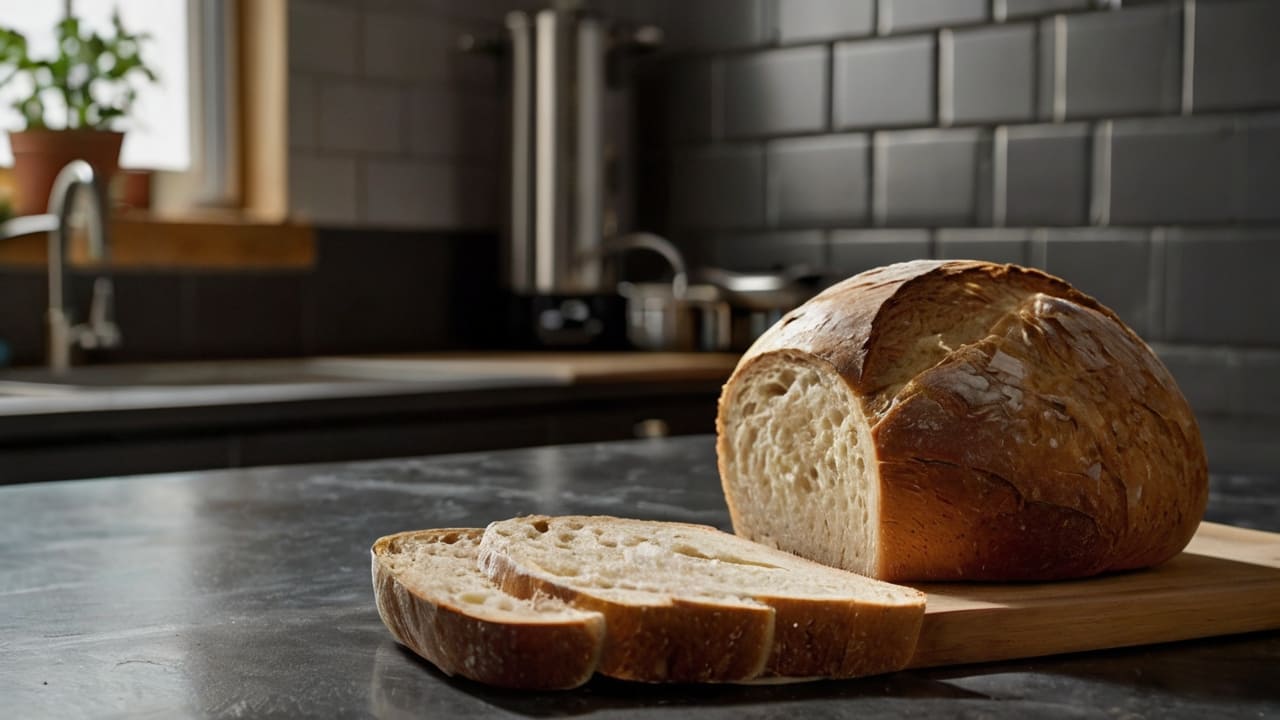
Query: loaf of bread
{"points": [[433, 598], [688, 603], [959, 420]]}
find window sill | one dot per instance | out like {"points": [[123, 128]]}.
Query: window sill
{"points": [[218, 241]]}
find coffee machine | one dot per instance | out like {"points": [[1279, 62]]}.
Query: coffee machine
{"points": [[570, 183]]}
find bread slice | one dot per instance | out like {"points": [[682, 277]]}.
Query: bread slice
{"points": [[959, 420], [434, 599], [689, 603]]}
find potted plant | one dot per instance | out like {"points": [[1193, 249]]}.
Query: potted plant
{"points": [[70, 103]]}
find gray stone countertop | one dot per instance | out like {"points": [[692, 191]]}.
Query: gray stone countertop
{"points": [[246, 593]]}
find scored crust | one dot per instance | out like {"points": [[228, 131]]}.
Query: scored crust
{"points": [[432, 597], [957, 420]]}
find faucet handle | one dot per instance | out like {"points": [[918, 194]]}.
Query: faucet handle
{"points": [[101, 331]]}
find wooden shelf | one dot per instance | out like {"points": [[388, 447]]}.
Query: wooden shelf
{"points": [[139, 241]]}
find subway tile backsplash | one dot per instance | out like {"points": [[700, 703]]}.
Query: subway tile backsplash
{"points": [[1004, 245], [1174, 170], [806, 20], [990, 74], [1045, 174], [886, 83], [819, 181], [776, 92], [1131, 147], [904, 15], [930, 177], [1237, 58], [1123, 62]]}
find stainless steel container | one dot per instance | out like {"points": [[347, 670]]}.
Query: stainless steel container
{"points": [[569, 139]]}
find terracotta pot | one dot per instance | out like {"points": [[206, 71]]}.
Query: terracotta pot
{"points": [[38, 155]]}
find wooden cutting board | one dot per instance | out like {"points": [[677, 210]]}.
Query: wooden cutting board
{"points": [[1227, 581]]}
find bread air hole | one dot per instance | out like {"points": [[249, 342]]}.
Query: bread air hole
{"points": [[693, 552], [541, 526]]}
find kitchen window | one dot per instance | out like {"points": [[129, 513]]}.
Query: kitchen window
{"points": [[185, 127]]}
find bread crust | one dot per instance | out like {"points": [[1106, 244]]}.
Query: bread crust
{"points": [[1055, 445], [526, 655]]}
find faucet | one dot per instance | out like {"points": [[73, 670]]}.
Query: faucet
{"points": [[100, 331]]}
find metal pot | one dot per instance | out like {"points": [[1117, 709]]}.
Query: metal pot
{"points": [[674, 315]]}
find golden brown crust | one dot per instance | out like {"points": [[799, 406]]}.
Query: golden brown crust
{"points": [[1051, 444], [532, 655], [840, 639]]}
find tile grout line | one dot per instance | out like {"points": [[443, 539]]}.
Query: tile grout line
{"points": [[1101, 196], [1059, 68], [1000, 177], [1188, 55], [946, 78], [879, 172]]}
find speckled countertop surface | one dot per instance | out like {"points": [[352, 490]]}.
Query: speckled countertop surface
{"points": [[246, 593]]}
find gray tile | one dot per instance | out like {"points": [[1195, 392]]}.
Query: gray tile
{"points": [[1029, 8], [360, 116], [23, 299], [715, 24], [1174, 170], [800, 20], [930, 177], [149, 311], [445, 123], [718, 187], [1237, 57], [1203, 374], [438, 195], [1256, 390], [1126, 62], [244, 315], [776, 92], [323, 37], [1047, 175], [853, 251], [304, 112], [1220, 286], [380, 291], [1260, 195], [884, 83], [1241, 445], [323, 189], [770, 250], [689, 95], [412, 46], [1111, 264], [1002, 245], [901, 15], [819, 181], [993, 74]]}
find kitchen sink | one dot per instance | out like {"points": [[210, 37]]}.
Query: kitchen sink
{"points": [[309, 371]]}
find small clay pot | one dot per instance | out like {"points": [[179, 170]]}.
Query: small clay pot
{"points": [[38, 155]]}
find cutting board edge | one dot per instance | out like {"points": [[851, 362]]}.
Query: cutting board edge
{"points": [[1187, 622]]}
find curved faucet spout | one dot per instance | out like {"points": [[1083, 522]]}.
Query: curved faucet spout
{"points": [[75, 179]]}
